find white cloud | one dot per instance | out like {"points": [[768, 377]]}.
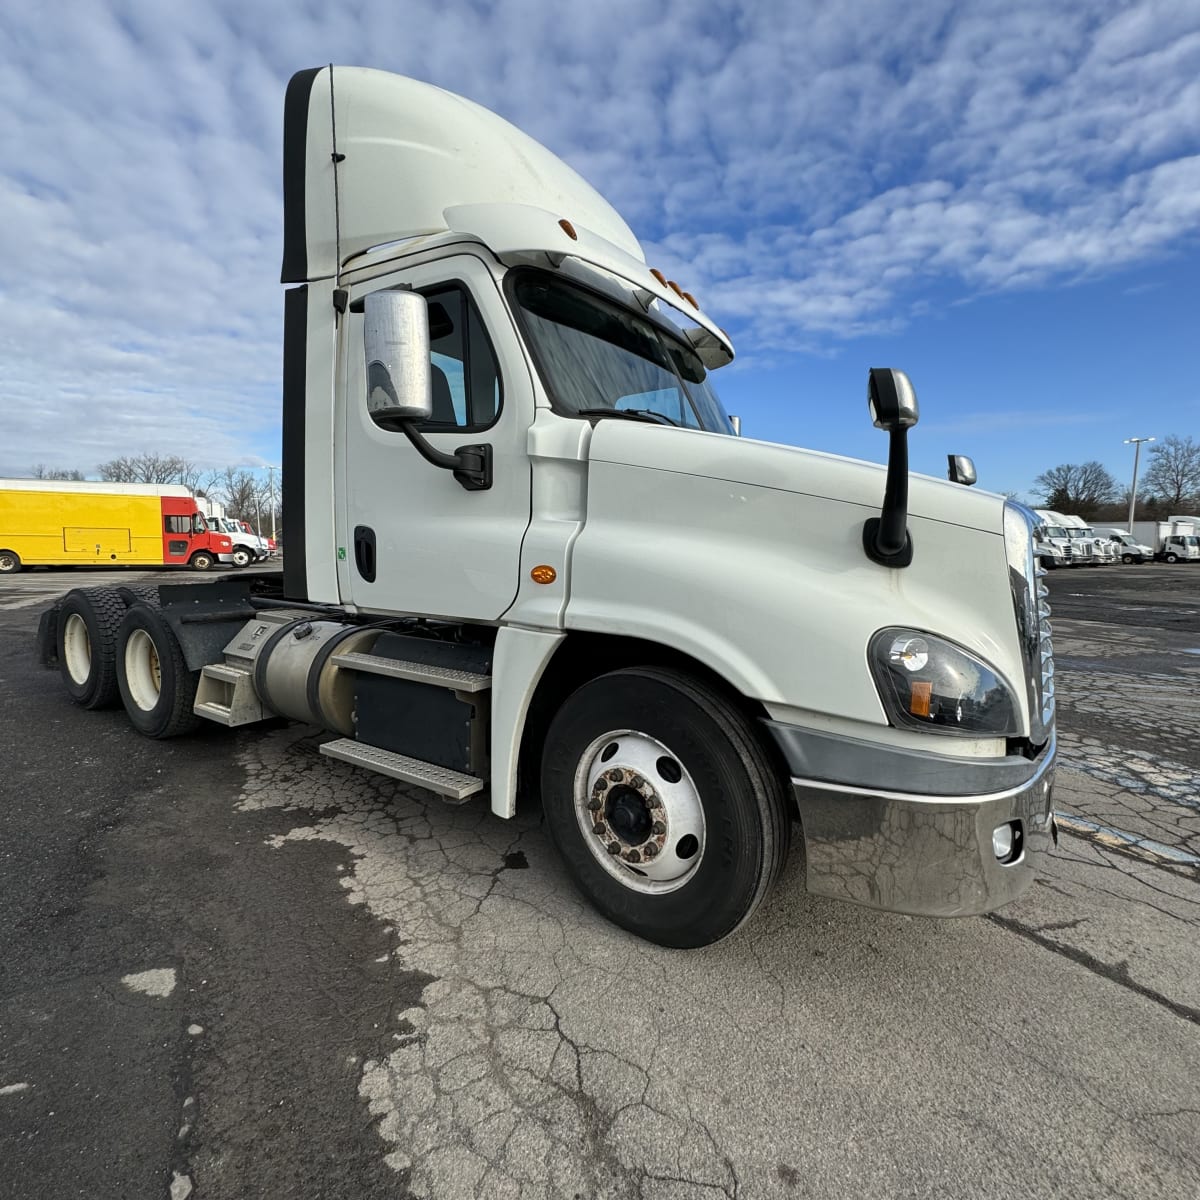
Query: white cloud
{"points": [[812, 171]]}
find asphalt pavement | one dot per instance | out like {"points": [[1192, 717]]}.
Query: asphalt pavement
{"points": [[232, 968]]}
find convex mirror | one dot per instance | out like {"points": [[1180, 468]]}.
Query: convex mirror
{"points": [[396, 342]]}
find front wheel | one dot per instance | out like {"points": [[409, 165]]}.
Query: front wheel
{"points": [[664, 805], [156, 687], [1127, 559], [241, 556], [1172, 558], [202, 560], [10, 562]]}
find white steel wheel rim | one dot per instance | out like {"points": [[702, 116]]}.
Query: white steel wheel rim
{"points": [[143, 670], [77, 649], [639, 812]]}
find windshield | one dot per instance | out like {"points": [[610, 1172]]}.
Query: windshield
{"points": [[595, 355], [1077, 534], [1053, 531]]}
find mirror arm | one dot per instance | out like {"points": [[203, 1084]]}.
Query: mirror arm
{"points": [[472, 465], [885, 538]]}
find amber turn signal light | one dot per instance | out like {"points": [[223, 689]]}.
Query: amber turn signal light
{"points": [[543, 574]]}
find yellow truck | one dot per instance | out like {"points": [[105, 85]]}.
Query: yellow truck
{"points": [[56, 523]]}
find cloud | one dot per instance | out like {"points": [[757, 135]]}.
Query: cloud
{"points": [[812, 172]]}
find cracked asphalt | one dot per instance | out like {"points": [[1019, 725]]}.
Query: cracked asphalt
{"points": [[230, 967]]}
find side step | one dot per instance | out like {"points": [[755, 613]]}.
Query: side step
{"points": [[453, 785], [447, 677]]}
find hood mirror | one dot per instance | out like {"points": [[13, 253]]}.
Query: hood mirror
{"points": [[962, 469]]}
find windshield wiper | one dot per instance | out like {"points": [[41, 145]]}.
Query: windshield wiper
{"points": [[633, 414]]}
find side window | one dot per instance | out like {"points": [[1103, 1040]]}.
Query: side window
{"points": [[177, 524], [466, 376]]}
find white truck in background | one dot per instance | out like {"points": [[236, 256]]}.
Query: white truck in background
{"points": [[1102, 549], [527, 558], [1051, 529], [1173, 540], [248, 547], [1130, 549]]}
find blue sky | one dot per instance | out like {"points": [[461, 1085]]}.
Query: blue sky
{"points": [[1002, 198]]}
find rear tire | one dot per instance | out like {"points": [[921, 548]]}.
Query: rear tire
{"points": [[665, 769], [88, 620], [10, 562], [156, 687], [202, 560]]}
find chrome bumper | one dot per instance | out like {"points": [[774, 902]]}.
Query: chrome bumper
{"points": [[929, 855]]}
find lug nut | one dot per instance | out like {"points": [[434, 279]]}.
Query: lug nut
{"points": [[594, 803], [614, 847], [651, 850], [600, 785], [658, 828], [600, 828], [636, 781], [633, 856]]}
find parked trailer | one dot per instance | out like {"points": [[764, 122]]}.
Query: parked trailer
{"points": [[59, 523], [526, 554]]}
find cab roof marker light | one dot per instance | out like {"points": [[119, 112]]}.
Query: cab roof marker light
{"points": [[659, 276]]}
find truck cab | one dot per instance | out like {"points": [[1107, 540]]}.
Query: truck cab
{"points": [[1129, 548], [528, 559]]}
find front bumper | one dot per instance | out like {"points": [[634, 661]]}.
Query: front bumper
{"points": [[923, 851]]}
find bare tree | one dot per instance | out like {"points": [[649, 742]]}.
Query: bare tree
{"points": [[41, 471], [1072, 488], [151, 468], [1174, 470], [240, 492]]}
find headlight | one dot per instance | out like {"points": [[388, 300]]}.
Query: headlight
{"points": [[928, 683]]}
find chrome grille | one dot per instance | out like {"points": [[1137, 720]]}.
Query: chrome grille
{"points": [[1032, 611]]}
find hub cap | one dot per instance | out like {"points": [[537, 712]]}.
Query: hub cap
{"points": [[639, 811], [77, 649], [143, 672]]}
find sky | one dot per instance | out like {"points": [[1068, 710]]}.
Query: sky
{"points": [[1001, 198]]}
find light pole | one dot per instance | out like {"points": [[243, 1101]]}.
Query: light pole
{"points": [[1137, 450], [271, 484]]}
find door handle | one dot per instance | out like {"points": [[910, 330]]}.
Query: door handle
{"points": [[364, 551]]}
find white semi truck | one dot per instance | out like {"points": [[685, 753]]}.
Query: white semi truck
{"points": [[1051, 529], [248, 547], [527, 558]]}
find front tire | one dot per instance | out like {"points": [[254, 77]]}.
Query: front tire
{"points": [[241, 557], [1172, 558], [202, 560], [664, 805], [156, 687]]}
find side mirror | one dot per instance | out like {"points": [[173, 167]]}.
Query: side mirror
{"points": [[892, 399], [893, 404], [396, 341], [962, 469], [736, 422]]}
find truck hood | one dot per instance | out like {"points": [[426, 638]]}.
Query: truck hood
{"points": [[789, 469]]}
